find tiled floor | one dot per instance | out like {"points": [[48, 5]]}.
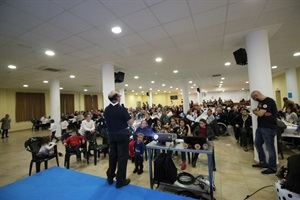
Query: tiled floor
{"points": [[234, 178]]}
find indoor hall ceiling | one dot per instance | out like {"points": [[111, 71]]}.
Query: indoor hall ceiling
{"points": [[195, 37]]}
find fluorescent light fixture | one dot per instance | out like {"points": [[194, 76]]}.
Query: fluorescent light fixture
{"points": [[85, 90], [150, 89], [158, 59], [136, 77], [152, 81], [171, 87], [247, 82], [223, 78], [25, 85], [72, 76], [45, 81], [274, 67], [296, 54], [61, 88], [126, 85], [163, 85], [49, 53], [140, 87], [116, 30], [227, 64], [190, 81], [12, 67], [175, 71]]}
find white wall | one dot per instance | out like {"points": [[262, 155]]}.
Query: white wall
{"points": [[235, 96]]}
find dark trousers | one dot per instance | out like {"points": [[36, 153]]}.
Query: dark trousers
{"points": [[138, 162], [118, 155], [75, 150], [53, 136], [4, 131], [63, 131], [244, 132]]}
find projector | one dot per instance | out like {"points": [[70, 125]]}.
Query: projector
{"points": [[162, 138]]}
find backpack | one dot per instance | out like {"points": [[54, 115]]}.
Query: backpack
{"points": [[164, 169]]}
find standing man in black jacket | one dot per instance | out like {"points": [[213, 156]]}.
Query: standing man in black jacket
{"points": [[117, 120]]}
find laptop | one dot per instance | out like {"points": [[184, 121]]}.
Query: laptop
{"points": [[191, 141]]}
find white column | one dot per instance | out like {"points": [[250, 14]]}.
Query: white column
{"points": [[292, 85], [185, 96], [150, 99], [122, 93], [108, 82], [55, 112], [259, 72], [199, 96]]}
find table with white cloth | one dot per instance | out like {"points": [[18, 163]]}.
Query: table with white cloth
{"points": [[289, 133]]}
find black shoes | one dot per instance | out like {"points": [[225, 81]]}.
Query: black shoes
{"points": [[123, 183], [259, 165], [110, 181], [140, 171], [269, 171], [135, 170]]}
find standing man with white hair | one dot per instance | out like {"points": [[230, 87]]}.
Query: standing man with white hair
{"points": [[266, 113], [117, 120]]}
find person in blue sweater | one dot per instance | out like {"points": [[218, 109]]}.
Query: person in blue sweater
{"points": [[139, 149]]}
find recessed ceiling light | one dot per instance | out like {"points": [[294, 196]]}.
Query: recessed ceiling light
{"points": [[158, 90], [85, 90], [132, 90], [136, 93], [190, 81], [274, 67], [116, 30], [171, 87], [223, 90], [163, 85], [192, 87], [61, 88], [12, 67], [165, 91], [247, 82], [150, 89], [194, 84], [223, 78], [142, 91], [176, 88], [155, 92], [297, 54], [140, 87], [227, 64], [45, 81], [243, 88], [169, 92], [152, 81], [220, 86], [72, 76], [25, 85], [49, 53], [136, 77], [126, 85], [221, 81], [180, 89], [175, 71], [189, 93], [158, 59]]}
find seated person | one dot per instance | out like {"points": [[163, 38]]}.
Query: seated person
{"points": [[203, 131], [157, 126], [243, 123], [290, 115], [46, 148], [221, 116], [172, 125], [183, 130], [289, 187], [75, 141]]}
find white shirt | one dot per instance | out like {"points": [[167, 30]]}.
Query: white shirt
{"points": [[64, 125], [86, 126], [46, 149], [53, 127]]}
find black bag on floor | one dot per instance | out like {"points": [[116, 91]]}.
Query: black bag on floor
{"points": [[164, 169]]}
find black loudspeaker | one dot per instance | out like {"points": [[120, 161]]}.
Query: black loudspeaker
{"points": [[147, 93], [198, 90], [119, 77], [240, 56]]}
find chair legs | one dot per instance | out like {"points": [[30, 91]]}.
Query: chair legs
{"points": [[30, 168]]}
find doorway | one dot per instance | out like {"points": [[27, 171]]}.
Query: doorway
{"points": [[278, 99]]}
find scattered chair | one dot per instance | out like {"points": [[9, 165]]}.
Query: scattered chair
{"points": [[33, 145]]}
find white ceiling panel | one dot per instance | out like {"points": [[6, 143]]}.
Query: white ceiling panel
{"points": [[81, 54], [141, 20], [179, 26], [211, 31], [94, 50], [239, 25], [96, 36], [153, 34], [163, 43], [67, 4], [198, 7], [50, 31], [176, 10], [152, 2], [77, 42], [11, 30], [210, 18], [94, 13], [4, 39], [184, 38], [122, 8], [276, 5], [44, 9], [131, 40], [16, 17], [70, 23], [63, 48]]}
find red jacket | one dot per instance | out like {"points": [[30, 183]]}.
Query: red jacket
{"points": [[74, 141]]}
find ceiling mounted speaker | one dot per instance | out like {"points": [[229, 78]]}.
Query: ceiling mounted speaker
{"points": [[198, 90], [119, 77], [240, 56]]}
